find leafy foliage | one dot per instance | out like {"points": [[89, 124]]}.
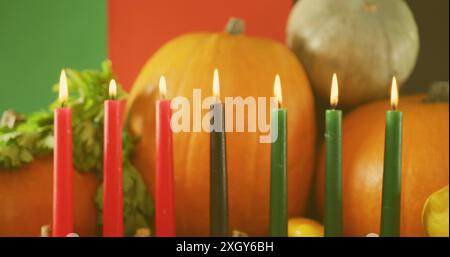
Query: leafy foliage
{"points": [[22, 138]]}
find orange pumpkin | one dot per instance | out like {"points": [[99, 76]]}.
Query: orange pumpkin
{"points": [[26, 200], [425, 163], [247, 67]]}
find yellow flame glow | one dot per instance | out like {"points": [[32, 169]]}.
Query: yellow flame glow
{"points": [[277, 89], [334, 95], [216, 84], [63, 90], [394, 94], [162, 86], [112, 88]]}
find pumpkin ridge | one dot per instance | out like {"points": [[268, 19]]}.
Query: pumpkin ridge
{"points": [[184, 77], [388, 51], [194, 58], [311, 68]]}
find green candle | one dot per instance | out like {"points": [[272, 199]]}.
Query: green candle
{"points": [[218, 168], [333, 166], [278, 216], [392, 173]]}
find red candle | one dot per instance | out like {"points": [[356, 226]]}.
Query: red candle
{"points": [[112, 165], [164, 196], [62, 166]]}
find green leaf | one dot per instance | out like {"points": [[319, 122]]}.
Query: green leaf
{"points": [[25, 156], [9, 136], [45, 144]]}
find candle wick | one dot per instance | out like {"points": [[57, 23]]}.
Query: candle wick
{"points": [[394, 107]]}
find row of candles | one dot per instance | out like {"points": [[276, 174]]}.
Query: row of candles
{"points": [[391, 190], [63, 223], [165, 223]]}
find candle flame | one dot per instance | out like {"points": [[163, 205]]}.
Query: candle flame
{"points": [[63, 91], [334, 96], [162, 86], [216, 84], [277, 90], [394, 94], [112, 88]]}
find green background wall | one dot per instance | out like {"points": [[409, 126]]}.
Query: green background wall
{"points": [[38, 38]]}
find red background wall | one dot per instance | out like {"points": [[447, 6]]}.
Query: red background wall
{"points": [[137, 28]]}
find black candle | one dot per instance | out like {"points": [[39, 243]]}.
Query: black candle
{"points": [[218, 186]]}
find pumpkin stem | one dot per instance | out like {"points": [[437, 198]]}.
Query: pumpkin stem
{"points": [[370, 7], [438, 92], [235, 26]]}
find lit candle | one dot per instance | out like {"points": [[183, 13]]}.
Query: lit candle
{"points": [[333, 166], [392, 173], [218, 186], [278, 216], [164, 196], [62, 165], [112, 165]]}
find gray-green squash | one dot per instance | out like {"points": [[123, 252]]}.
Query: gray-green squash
{"points": [[365, 42]]}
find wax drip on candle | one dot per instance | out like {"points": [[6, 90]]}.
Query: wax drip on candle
{"points": [[216, 85], [394, 94], [112, 89], [277, 90], [162, 87], [63, 90], [334, 96]]}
